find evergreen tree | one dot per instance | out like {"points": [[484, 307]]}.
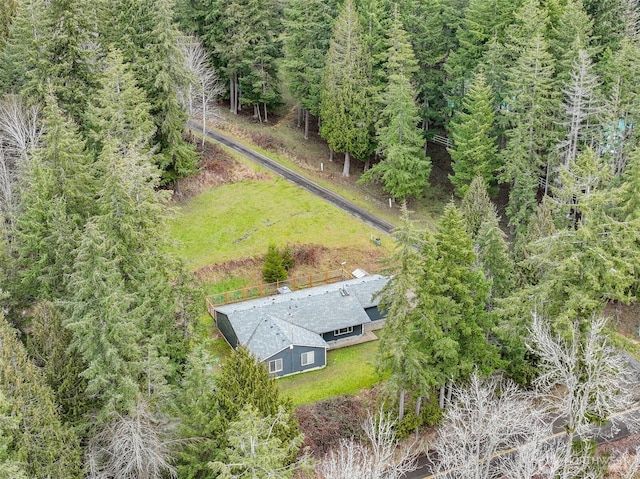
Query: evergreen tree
{"points": [[476, 206], [7, 13], [197, 407], [242, 383], [56, 200], [253, 452], [48, 343], [609, 21], [474, 150], [245, 36], [375, 18], [51, 50], [308, 26], [42, 443], [150, 46], [396, 353], [531, 110], [273, 269], [106, 332], [454, 326], [345, 92], [10, 467], [121, 298], [629, 199], [119, 110], [484, 21], [568, 36], [595, 257], [495, 258], [404, 171], [432, 29], [620, 73], [259, 61], [22, 47]]}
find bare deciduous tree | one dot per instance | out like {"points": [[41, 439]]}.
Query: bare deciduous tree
{"points": [[379, 459], [582, 379], [20, 131], [582, 109], [485, 417], [20, 128], [131, 446], [625, 466], [199, 95]]}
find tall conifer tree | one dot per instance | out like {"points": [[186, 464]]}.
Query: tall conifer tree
{"points": [[152, 51], [532, 105], [454, 326], [475, 150], [397, 352], [306, 41], [56, 201], [404, 170], [44, 445], [345, 96]]}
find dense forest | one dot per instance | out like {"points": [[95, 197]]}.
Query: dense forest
{"points": [[101, 371]]}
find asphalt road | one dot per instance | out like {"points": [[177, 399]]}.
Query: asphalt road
{"points": [[296, 178]]}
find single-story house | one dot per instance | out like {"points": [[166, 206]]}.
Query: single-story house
{"points": [[291, 332]]}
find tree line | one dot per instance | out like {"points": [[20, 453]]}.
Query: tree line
{"points": [[521, 87], [101, 374]]}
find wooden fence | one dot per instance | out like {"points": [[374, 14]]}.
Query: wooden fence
{"points": [[441, 140], [269, 289]]}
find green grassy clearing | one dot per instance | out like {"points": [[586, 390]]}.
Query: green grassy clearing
{"points": [[348, 371], [309, 154], [239, 220]]}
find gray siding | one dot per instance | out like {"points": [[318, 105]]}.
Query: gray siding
{"points": [[222, 321], [330, 336], [374, 313], [292, 360]]}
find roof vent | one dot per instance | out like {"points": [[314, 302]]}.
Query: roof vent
{"points": [[344, 291], [283, 290]]}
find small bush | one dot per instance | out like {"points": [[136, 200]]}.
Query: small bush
{"points": [[273, 269], [288, 260], [325, 423], [307, 254], [430, 413], [408, 425]]}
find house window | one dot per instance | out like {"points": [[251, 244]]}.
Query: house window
{"points": [[275, 366], [339, 332], [307, 358]]}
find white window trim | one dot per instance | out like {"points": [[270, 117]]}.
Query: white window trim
{"points": [[342, 331], [275, 366], [304, 361]]}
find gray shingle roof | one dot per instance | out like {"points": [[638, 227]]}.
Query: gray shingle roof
{"points": [[265, 335], [267, 325]]}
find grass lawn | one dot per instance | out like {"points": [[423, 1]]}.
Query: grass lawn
{"points": [[305, 156], [348, 371], [239, 220]]}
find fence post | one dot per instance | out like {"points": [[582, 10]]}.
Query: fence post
{"points": [[310, 280], [293, 283], [244, 293], [260, 290], [226, 297]]}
